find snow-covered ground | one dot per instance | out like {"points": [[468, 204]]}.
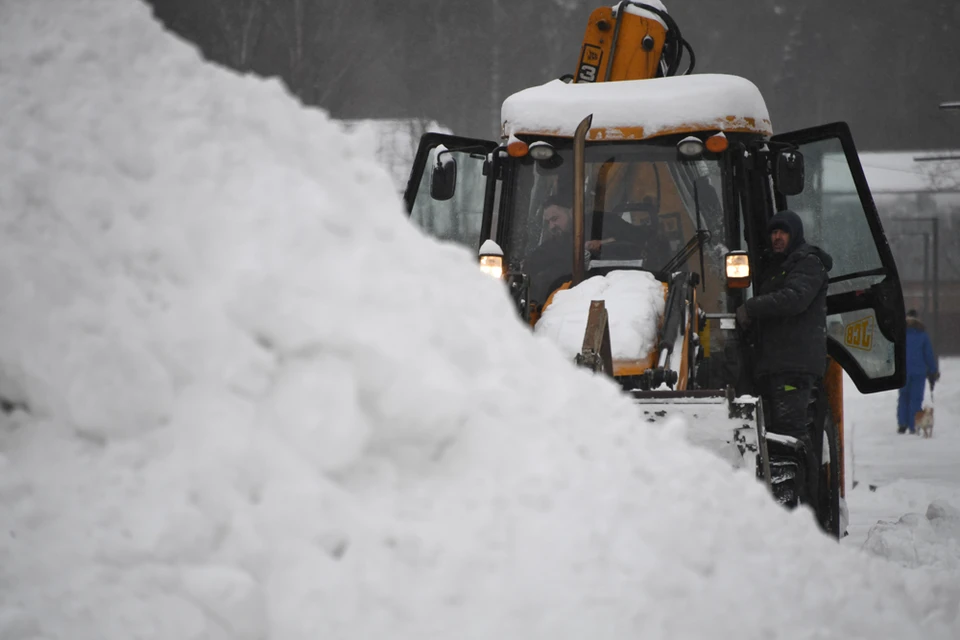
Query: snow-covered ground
{"points": [[902, 476], [244, 398]]}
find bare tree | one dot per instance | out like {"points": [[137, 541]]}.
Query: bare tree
{"points": [[242, 24], [942, 175], [324, 44]]}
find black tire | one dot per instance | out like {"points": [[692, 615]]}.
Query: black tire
{"points": [[828, 503]]}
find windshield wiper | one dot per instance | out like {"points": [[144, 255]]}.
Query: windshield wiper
{"points": [[696, 203], [694, 244]]}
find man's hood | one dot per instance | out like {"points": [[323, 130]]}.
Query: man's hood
{"points": [[790, 222]]}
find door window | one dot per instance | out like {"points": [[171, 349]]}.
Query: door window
{"points": [[459, 219], [833, 217], [865, 325]]}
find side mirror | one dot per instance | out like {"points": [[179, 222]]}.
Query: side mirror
{"points": [[788, 172], [443, 183]]}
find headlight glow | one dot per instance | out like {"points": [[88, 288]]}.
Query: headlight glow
{"points": [[738, 267], [492, 266]]}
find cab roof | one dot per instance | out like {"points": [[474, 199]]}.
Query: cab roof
{"points": [[638, 109]]}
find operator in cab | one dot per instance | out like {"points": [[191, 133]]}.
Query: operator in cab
{"points": [[788, 316], [558, 225], [604, 234]]}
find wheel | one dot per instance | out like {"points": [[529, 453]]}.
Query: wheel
{"points": [[828, 503]]}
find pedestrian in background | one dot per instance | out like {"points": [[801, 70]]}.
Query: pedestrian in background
{"points": [[921, 368]]}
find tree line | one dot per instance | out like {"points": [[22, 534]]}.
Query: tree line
{"points": [[880, 65]]}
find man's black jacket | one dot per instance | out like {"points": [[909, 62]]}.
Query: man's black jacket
{"points": [[790, 309]]}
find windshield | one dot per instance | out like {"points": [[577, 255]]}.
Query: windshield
{"points": [[640, 211]]}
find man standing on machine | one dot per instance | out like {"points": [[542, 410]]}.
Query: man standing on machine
{"points": [[789, 317]]}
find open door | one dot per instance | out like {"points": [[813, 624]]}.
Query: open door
{"points": [[459, 217], [866, 327]]}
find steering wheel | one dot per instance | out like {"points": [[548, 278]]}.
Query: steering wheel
{"points": [[540, 294], [558, 282], [622, 250]]}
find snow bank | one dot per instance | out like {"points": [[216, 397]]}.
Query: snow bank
{"points": [[634, 302], [904, 507], [899, 474], [244, 398], [395, 142], [928, 544], [930, 539]]}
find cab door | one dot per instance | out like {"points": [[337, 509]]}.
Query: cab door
{"points": [[866, 325], [459, 219]]}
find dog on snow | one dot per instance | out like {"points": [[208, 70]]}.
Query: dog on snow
{"points": [[924, 422]]}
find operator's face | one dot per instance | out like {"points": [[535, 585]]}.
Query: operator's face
{"points": [[779, 240], [557, 219]]}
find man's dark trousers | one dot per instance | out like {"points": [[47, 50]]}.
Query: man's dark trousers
{"points": [[788, 397]]}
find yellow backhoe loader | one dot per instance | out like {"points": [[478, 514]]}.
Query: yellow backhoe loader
{"points": [[670, 179]]}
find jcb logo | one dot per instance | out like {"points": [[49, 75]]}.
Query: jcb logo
{"points": [[589, 63], [859, 334], [592, 55]]}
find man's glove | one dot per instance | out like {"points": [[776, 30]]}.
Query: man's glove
{"points": [[742, 318], [932, 379]]}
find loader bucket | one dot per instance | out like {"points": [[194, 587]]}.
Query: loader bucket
{"points": [[730, 427]]}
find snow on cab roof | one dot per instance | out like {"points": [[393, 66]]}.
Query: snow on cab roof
{"points": [[643, 12], [638, 109]]}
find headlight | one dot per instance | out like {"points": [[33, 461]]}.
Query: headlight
{"points": [[690, 147], [492, 266], [738, 269], [491, 259], [542, 151]]}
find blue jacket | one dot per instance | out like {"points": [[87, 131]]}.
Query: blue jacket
{"points": [[920, 358]]}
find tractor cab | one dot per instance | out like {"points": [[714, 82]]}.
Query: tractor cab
{"points": [[679, 175]]}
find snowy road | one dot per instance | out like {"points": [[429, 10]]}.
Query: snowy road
{"points": [[907, 472]]}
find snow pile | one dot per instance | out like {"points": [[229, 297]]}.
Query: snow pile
{"points": [[899, 474], [634, 302], [244, 398], [883, 504], [904, 507], [395, 142], [928, 545], [931, 539]]}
